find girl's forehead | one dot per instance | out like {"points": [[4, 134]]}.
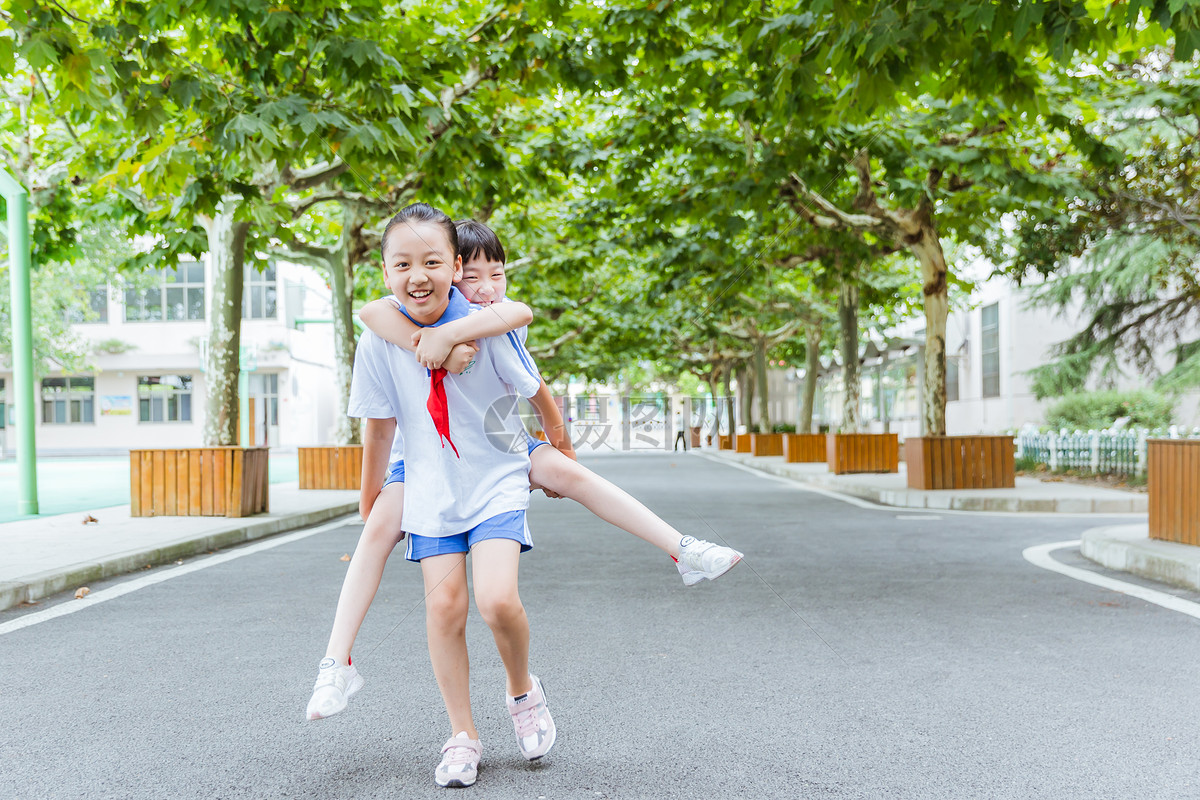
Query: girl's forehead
{"points": [[481, 263], [412, 237]]}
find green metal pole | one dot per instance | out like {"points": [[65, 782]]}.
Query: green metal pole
{"points": [[22, 341]]}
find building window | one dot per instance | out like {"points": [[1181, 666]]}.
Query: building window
{"points": [[97, 310], [165, 398], [991, 350], [179, 296], [951, 378], [68, 400], [258, 294]]}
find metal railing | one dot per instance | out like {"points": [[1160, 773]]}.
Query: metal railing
{"points": [[1110, 452]]}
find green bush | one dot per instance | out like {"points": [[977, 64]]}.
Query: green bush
{"points": [[1099, 410], [783, 427]]}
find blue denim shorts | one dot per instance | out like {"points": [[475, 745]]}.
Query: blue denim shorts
{"points": [[510, 525]]}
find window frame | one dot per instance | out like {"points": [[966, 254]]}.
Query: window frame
{"points": [[255, 279], [180, 397], [169, 280], [989, 350], [69, 397]]}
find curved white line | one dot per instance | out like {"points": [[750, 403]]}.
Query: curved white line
{"points": [[1039, 556], [113, 592]]}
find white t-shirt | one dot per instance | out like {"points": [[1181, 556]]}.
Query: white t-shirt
{"points": [[445, 494], [397, 453]]}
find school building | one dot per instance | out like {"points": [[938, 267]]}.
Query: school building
{"points": [[991, 344], [147, 385]]}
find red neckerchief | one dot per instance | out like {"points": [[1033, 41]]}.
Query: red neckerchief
{"points": [[438, 409]]}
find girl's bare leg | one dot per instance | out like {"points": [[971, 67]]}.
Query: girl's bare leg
{"points": [[446, 604], [378, 539], [494, 567], [556, 472]]}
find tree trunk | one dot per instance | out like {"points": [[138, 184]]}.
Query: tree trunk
{"points": [[226, 255], [928, 249], [812, 366], [760, 374], [341, 281], [726, 378], [848, 320], [746, 392]]}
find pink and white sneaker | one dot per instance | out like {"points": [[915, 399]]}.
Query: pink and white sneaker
{"points": [[535, 727], [460, 762]]}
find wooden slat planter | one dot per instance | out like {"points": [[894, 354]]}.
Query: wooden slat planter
{"points": [[862, 452], [333, 467], [198, 482], [766, 444], [724, 441], [743, 443], [1173, 483], [803, 448], [960, 462]]}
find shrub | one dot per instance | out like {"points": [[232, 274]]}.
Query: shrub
{"points": [[783, 427], [1099, 410]]}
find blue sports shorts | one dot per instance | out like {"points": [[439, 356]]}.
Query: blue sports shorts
{"points": [[510, 525], [396, 473]]}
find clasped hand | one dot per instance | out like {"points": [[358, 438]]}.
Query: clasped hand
{"points": [[434, 350]]}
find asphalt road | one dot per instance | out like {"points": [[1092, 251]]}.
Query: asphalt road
{"points": [[857, 653]]}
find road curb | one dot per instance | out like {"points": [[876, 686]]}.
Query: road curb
{"points": [[1129, 548], [947, 500], [43, 584]]}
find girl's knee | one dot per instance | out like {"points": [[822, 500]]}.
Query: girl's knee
{"points": [[500, 609], [447, 608]]}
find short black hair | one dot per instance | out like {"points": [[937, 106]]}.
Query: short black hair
{"points": [[475, 238], [422, 212]]}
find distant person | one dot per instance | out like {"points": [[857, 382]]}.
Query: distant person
{"points": [[680, 432]]}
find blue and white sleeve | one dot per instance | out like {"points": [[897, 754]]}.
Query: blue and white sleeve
{"points": [[513, 363]]}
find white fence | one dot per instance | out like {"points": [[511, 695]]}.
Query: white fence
{"points": [[1119, 452]]}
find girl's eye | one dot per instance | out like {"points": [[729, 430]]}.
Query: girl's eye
{"points": [[470, 278]]}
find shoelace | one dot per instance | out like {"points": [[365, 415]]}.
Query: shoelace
{"points": [[458, 755], [696, 555], [330, 677], [526, 722]]}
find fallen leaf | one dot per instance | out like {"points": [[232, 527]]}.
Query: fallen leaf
{"points": [[82, 592], [89, 519], [346, 557]]}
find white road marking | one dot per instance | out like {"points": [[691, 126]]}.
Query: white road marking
{"points": [[798, 483], [1039, 555], [113, 592]]}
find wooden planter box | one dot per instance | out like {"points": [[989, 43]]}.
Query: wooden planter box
{"points": [[1173, 483], [743, 443], [960, 462], [766, 444], [198, 482], [804, 448], [724, 441], [862, 452], [694, 434], [333, 467]]}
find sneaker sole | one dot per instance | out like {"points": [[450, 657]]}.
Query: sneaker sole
{"points": [[454, 783], [710, 576]]}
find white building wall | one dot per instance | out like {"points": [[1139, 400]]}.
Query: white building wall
{"points": [[302, 358]]}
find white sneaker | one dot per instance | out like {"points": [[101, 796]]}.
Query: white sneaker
{"points": [[460, 762], [335, 684], [700, 560], [531, 719]]}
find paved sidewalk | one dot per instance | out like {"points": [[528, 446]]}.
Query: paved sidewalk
{"points": [[44, 555], [1030, 495]]}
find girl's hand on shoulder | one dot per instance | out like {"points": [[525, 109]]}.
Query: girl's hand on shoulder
{"points": [[461, 356]]}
